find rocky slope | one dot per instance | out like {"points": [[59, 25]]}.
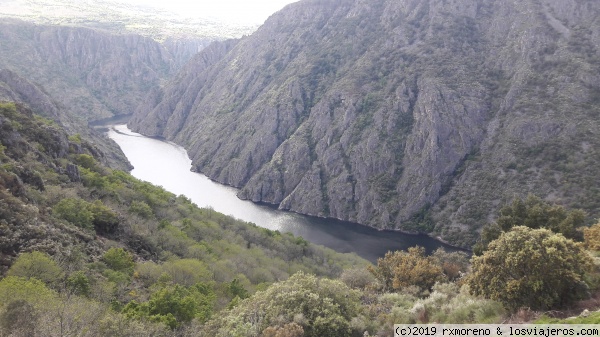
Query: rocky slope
{"points": [[14, 88], [94, 73], [416, 115]]}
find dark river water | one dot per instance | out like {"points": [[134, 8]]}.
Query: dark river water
{"points": [[167, 164]]}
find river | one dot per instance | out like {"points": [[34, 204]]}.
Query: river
{"points": [[168, 165]]}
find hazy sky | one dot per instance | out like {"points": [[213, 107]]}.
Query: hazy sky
{"points": [[239, 11]]}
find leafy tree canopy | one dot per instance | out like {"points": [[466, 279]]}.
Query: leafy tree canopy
{"points": [[318, 307], [400, 269], [174, 305], [119, 260], [36, 265], [532, 268], [592, 237]]}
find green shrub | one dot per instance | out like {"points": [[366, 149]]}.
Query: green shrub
{"points": [[591, 237], [322, 307], [142, 209], [532, 268], [119, 260], [75, 211], [34, 291], [398, 270], [104, 219], [36, 265], [174, 305], [79, 283], [86, 161]]}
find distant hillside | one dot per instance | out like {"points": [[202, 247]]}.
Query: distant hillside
{"points": [[93, 73], [416, 115], [122, 18]]}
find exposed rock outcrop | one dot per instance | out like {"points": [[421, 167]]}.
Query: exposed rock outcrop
{"points": [[410, 114], [94, 73]]}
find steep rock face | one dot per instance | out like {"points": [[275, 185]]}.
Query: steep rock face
{"points": [[411, 114], [94, 73], [17, 89], [158, 106]]}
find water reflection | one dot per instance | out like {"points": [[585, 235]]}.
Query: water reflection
{"points": [[167, 164]]}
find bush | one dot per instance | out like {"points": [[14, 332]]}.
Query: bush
{"points": [[591, 237], [75, 211], [86, 161], [321, 307], [79, 284], [18, 319], [532, 268], [36, 265], [454, 264], [399, 270], [33, 291], [174, 305], [142, 209], [104, 219], [119, 260], [358, 278]]}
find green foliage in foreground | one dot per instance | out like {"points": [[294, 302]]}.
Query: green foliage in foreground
{"points": [[174, 305], [398, 270], [125, 248], [531, 268], [321, 307], [591, 237]]}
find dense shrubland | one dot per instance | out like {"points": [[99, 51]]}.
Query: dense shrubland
{"points": [[90, 251]]}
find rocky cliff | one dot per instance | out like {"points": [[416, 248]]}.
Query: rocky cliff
{"points": [[94, 73], [409, 114]]}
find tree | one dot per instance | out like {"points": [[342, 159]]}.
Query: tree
{"points": [[533, 212], [33, 291], [454, 264], [18, 319], [174, 305], [186, 272], [36, 265], [236, 289], [104, 219], [142, 209], [357, 278], [532, 268], [119, 260], [591, 237], [75, 211], [79, 284], [400, 269], [86, 161], [321, 307]]}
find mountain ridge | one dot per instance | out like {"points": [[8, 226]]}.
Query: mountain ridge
{"points": [[419, 116]]}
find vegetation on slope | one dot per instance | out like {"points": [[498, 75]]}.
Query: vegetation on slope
{"points": [[129, 240]]}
